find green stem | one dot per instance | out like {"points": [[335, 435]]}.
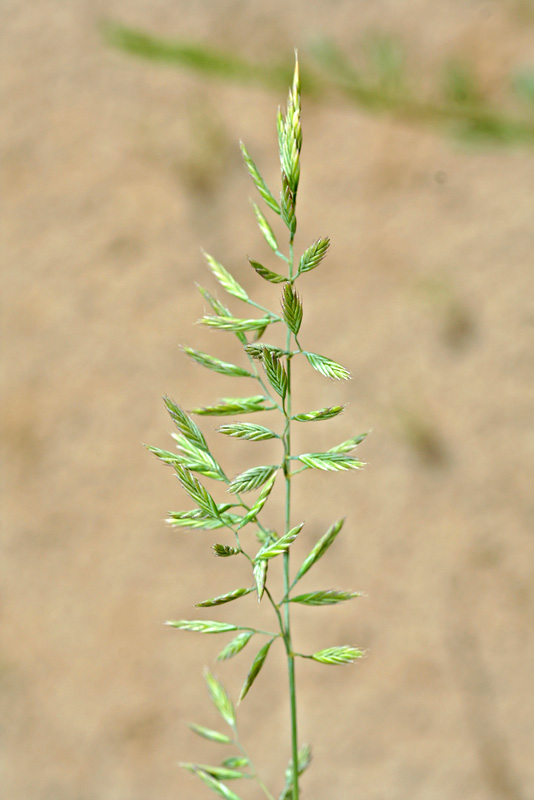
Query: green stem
{"points": [[257, 630], [282, 256], [274, 317], [277, 612], [254, 775], [286, 612]]}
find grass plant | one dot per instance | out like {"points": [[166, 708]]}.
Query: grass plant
{"points": [[269, 367]]}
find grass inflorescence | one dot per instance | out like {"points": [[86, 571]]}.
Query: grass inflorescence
{"points": [[194, 464]]}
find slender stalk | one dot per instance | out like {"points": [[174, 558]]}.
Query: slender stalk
{"points": [[287, 621], [274, 317], [277, 612], [254, 774]]}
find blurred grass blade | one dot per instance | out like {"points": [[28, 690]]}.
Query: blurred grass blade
{"points": [[461, 85], [334, 62], [523, 85], [386, 58], [196, 57], [383, 87]]}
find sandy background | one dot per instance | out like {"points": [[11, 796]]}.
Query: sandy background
{"points": [[115, 173]]}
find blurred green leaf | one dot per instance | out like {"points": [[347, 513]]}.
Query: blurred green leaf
{"points": [[379, 83], [196, 57]]}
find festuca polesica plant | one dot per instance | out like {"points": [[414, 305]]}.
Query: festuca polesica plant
{"points": [[270, 368]]}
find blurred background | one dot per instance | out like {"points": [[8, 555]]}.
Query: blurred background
{"points": [[120, 159]]}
